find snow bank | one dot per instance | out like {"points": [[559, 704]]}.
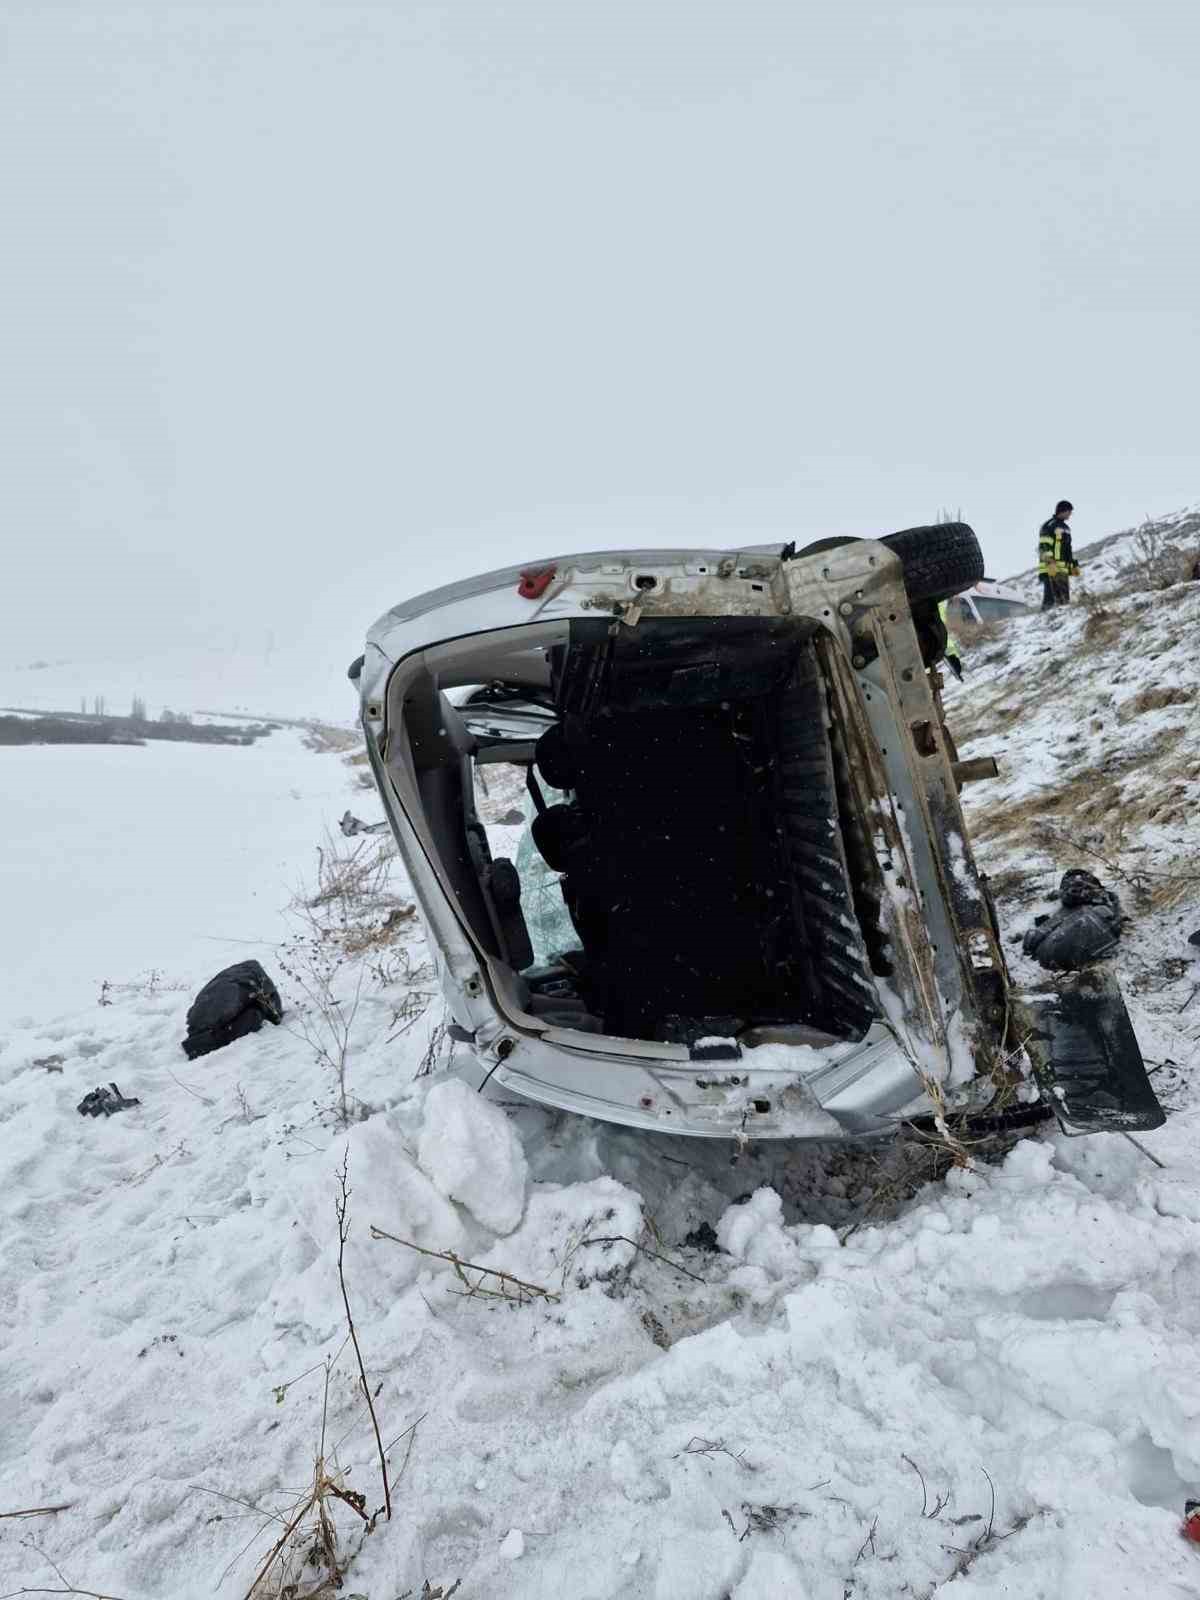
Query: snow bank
{"points": [[469, 1149]]}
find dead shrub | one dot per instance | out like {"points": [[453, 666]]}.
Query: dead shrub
{"points": [[1161, 556], [411, 1008], [321, 1019], [351, 878], [352, 929], [439, 1044], [353, 907]]}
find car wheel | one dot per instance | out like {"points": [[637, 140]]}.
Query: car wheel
{"points": [[821, 545], [939, 561]]}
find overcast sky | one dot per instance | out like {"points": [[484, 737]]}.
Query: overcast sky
{"points": [[306, 306]]}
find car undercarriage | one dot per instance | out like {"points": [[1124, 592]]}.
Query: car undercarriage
{"points": [[741, 787]]}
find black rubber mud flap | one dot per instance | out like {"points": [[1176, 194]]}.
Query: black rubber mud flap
{"points": [[1087, 1059]]}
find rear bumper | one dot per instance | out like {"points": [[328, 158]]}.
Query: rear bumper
{"points": [[772, 1092]]}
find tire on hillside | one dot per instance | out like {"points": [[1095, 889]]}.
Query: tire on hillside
{"points": [[940, 560]]}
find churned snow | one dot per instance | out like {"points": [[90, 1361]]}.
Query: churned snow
{"points": [[857, 1384], [471, 1151]]}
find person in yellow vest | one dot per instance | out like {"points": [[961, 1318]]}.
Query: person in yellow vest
{"points": [[953, 649], [1056, 560]]}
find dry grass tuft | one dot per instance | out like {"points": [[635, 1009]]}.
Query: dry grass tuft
{"points": [[1102, 626], [306, 1560], [380, 937], [325, 736], [1156, 699], [1026, 818], [312, 1551]]}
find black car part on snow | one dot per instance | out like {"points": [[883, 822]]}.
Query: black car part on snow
{"points": [[236, 1002], [1086, 1056], [705, 867], [105, 1102], [1086, 928]]}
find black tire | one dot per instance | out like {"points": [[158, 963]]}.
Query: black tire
{"points": [[819, 546], [939, 561]]}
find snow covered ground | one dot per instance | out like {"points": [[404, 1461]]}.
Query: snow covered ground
{"points": [[122, 860], [873, 1386]]}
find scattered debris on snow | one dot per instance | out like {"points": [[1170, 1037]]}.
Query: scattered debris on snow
{"points": [[104, 1102]]}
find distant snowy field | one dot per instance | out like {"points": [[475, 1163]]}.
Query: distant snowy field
{"points": [[284, 682], [119, 860]]}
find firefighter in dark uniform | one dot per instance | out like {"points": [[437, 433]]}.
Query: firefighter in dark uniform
{"points": [[1056, 560]]}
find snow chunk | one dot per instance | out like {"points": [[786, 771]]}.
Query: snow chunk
{"points": [[512, 1546], [419, 1212], [1029, 1166], [740, 1225], [754, 1233], [471, 1151]]}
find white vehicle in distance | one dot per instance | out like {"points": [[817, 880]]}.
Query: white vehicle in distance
{"points": [[984, 602]]}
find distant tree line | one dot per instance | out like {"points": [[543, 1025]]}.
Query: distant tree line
{"points": [[98, 727]]}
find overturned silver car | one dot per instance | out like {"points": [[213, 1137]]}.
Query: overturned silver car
{"points": [[744, 800]]}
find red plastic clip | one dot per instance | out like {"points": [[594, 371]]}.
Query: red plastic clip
{"points": [[535, 582]]}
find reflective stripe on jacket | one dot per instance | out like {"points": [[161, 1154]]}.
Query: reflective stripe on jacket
{"points": [[1054, 548]]}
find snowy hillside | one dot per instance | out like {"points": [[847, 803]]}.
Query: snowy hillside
{"points": [[804, 1374]]}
